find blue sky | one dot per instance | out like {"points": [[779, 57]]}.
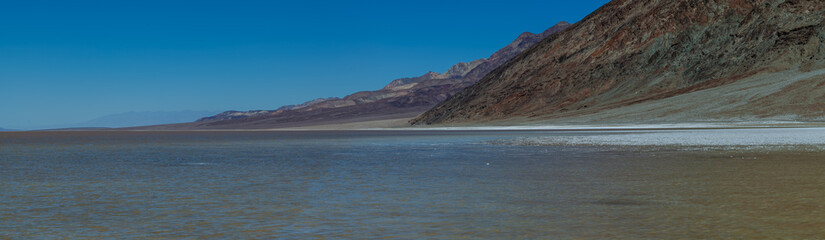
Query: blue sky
{"points": [[71, 61]]}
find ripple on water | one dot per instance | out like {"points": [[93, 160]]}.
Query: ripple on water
{"points": [[265, 185]]}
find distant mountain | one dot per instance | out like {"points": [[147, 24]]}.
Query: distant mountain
{"points": [[6, 130], [401, 98], [131, 119], [229, 115], [636, 61]]}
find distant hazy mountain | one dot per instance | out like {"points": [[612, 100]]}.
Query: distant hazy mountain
{"points": [[401, 98], [131, 119]]}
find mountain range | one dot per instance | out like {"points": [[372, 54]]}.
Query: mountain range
{"points": [[638, 61], [127, 119], [630, 61], [400, 99]]}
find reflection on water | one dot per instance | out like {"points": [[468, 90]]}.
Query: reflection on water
{"points": [[396, 185]]}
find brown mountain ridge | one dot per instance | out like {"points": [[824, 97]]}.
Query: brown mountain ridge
{"points": [[660, 61]]}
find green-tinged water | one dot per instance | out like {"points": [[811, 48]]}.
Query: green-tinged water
{"points": [[407, 185]]}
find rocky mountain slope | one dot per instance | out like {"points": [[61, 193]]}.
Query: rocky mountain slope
{"points": [[401, 98], [660, 61]]}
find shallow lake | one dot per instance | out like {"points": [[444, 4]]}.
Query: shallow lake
{"points": [[412, 184]]}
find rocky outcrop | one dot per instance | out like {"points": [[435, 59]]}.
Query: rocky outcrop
{"points": [[643, 52], [406, 97]]}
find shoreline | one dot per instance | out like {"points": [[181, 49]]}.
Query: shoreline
{"points": [[573, 127], [773, 135], [399, 125]]}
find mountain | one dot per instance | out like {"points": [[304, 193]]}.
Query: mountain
{"points": [[637, 61], [131, 119], [401, 98]]}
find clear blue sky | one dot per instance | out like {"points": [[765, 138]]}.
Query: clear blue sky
{"points": [[70, 61]]}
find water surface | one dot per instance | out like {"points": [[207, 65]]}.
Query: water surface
{"points": [[400, 184]]}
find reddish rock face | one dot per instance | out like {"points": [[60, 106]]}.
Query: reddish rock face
{"points": [[406, 97], [634, 51]]}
